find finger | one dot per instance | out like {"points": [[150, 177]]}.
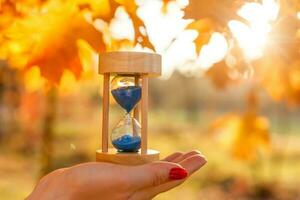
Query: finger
{"points": [[186, 155], [191, 164], [151, 175], [172, 157]]}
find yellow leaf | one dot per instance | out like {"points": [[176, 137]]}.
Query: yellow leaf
{"points": [[294, 78], [219, 75], [33, 80], [49, 40], [88, 57], [244, 136], [164, 8], [217, 11], [99, 8], [139, 36], [204, 27], [68, 83], [130, 5], [210, 17], [131, 8]]}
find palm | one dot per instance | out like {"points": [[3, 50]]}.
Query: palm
{"points": [[107, 181]]}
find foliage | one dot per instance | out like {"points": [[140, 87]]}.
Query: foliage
{"points": [[58, 39], [58, 25], [210, 17], [48, 37], [246, 136], [280, 66]]}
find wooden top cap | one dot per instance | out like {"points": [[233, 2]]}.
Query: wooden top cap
{"points": [[123, 62]]}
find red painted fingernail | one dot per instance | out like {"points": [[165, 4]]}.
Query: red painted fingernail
{"points": [[177, 173]]}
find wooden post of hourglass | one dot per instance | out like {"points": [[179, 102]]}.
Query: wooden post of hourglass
{"points": [[142, 66], [144, 113], [136, 111], [105, 112]]}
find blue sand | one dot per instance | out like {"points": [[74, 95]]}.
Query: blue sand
{"points": [[127, 143], [127, 97]]}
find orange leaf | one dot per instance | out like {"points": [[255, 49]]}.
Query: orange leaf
{"points": [[131, 7], [219, 75], [165, 5], [278, 70], [140, 37], [204, 27], [217, 11], [210, 17], [245, 136], [99, 8], [50, 41]]}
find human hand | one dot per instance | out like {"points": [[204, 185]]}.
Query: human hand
{"points": [[97, 180]]}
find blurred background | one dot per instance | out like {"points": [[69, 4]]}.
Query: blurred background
{"points": [[230, 88]]}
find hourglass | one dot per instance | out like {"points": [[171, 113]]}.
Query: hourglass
{"points": [[125, 136], [129, 88]]}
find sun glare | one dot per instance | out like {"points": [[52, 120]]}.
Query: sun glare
{"points": [[214, 51], [253, 37], [167, 33]]}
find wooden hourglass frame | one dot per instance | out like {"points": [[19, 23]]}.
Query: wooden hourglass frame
{"points": [[142, 66]]}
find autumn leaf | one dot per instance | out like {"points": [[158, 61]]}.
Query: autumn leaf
{"points": [[220, 12], [164, 8], [99, 9], [284, 39], [205, 28], [210, 17], [138, 25], [140, 37], [281, 81], [53, 44], [290, 7], [105, 9], [280, 65], [219, 75], [33, 81], [245, 136]]}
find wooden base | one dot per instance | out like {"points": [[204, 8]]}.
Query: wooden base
{"points": [[113, 156]]}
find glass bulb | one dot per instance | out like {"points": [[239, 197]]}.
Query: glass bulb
{"points": [[125, 92], [125, 136]]}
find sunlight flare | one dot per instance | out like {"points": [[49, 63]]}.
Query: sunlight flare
{"points": [[253, 37], [214, 51]]}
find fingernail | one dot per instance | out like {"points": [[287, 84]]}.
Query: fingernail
{"points": [[177, 173]]}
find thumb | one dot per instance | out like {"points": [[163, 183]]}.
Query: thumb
{"points": [[155, 174]]}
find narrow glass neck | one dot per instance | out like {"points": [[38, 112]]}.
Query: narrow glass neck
{"points": [[127, 120]]}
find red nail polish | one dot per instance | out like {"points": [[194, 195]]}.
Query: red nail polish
{"points": [[177, 173]]}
